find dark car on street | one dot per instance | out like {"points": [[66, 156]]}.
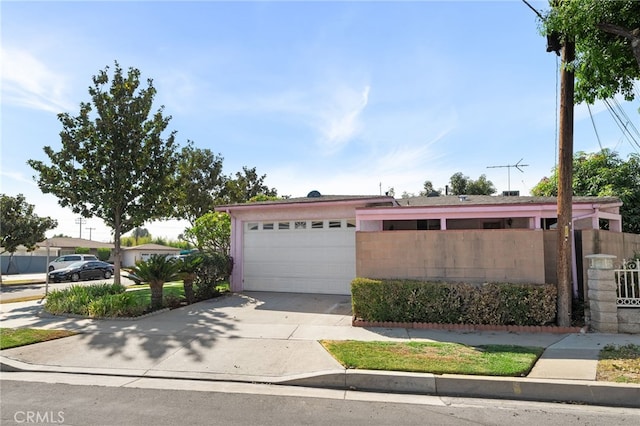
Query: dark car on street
{"points": [[80, 271]]}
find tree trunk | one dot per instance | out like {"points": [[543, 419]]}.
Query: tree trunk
{"points": [[188, 290], [156, 294], [117, 230]]}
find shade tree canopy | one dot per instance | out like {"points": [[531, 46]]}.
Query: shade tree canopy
{"points": [[116, 161], [200, 182], [246, 185], [607, 44], [463, 185], [602, 174], [19, 225]]}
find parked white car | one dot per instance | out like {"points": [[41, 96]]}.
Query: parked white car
{"points": [[64, 261]]}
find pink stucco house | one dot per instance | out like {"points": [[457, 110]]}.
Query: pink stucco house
{"points": [[318, 243]]}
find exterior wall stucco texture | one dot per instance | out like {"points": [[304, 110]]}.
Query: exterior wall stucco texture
{"points": [[453, 255]]}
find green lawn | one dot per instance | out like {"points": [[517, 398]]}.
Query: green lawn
{"points": [[13, 337], [174, 289], [435, 357]]}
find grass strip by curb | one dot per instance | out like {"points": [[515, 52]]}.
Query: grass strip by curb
{"points": [[435, 357], [14, 337]]}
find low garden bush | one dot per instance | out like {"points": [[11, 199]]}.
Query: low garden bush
{"points": [[453, 303], [115, 305], [211, 273], [97, 300]]}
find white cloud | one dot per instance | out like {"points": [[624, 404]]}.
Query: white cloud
{"points": [[339, 121], [333, 113], [28, 82], [16, 176], [179, 91]]}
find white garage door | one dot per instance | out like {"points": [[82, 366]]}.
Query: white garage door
{"points": [[302, 256]]}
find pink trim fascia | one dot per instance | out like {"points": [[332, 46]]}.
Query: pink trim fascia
{"points": [[309, 204], [413, 212]]}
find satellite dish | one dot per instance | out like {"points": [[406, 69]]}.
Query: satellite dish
{"points": [[314, 194]]}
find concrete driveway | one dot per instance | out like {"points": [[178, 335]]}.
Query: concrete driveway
{"points": [[251, 336]]}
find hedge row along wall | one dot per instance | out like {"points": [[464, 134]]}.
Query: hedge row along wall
{"points": [[453, 303]]}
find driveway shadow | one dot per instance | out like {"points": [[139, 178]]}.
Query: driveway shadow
{"points": [[300, 302], [108, 343]]}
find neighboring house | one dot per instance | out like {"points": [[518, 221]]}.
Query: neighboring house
{"points": [[318, 244], [131, 255], [68, 245], [24, 262]]}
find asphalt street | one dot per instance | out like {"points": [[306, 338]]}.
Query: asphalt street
{"points": [[166, 402], [16, 291]]}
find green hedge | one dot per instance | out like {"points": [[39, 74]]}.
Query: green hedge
{"points": [[453, 303], [104, 253]]}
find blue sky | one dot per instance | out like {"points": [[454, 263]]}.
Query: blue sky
{"points": [[341, 97]]}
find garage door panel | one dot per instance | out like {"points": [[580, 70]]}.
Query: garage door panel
{"points": [[311, 260], [309, 285]]}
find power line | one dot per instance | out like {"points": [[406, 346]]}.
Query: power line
{"points": [[628, 120], [623, 125], [594, 127], [534, 9]]}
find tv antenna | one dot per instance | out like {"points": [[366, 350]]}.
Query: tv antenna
{"points": [[509, 166]]}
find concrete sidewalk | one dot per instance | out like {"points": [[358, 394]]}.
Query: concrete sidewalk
{"points": [[273, 338], [37, 278]]}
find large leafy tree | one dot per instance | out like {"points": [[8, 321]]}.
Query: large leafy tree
{"points": [[19, 225], [429, 191], [200, 183], [603, 173], [607, 44], [114, 163], [463, 185], [245, 186], [139, 233]]}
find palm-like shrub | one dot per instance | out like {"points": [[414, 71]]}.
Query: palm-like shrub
{"points": [[157, 270], [188, 270]]}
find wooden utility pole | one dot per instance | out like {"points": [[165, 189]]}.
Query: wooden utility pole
{"points": [[565, 179]]}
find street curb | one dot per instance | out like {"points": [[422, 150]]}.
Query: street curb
{"points": [[514, 388], [469, 327], [25, 283]]}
